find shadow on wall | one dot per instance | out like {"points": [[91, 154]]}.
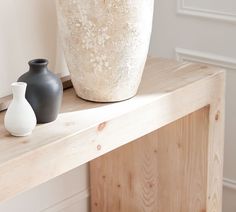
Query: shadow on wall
{"points": [[28, 30]]}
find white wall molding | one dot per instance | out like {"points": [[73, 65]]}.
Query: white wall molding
{"points": [[205, 57], [228, 183], [68, 202], [83, 195], [204, 13]]}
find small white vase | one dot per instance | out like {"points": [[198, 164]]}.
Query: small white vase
{"points": [[20, 119]]}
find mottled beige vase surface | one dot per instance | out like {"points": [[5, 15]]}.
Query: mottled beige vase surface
{"points": [[106, 44]]}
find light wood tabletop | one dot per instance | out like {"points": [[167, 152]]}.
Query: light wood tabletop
{"points": [[173, 97]]}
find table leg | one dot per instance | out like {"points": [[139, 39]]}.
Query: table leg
{"points": [[177, 168]]}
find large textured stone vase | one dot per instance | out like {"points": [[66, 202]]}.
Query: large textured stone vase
{"points": [[106, 44]]}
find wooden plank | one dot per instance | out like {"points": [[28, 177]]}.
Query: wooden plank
{"points": [[216, 150], [165, 170], [66, 82], [176, 168], [84, 130], [5, 101]]}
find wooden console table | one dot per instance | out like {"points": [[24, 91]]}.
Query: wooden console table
{"points": [[161, 151]]}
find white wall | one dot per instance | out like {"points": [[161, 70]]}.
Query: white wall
{"points": [[28, 30], [67, 193]]}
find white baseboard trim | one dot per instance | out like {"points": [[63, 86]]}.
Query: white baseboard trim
{"points": [[204, 13], [68, 202], [228, 183], [84, 195], [205, 57]]}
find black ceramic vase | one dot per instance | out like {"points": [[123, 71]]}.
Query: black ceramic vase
{"points": [[44, 90]]}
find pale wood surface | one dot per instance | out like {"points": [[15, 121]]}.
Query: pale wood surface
{"points": [[216, 150], [164, 171], [85, 130]]}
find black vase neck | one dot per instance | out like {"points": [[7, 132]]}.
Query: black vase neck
{"points": [[38, 65]]}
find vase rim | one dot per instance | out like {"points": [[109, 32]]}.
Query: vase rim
{"points": [[38, 62], [18, 84]]}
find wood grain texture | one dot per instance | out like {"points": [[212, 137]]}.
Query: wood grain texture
{"points": [[165, 170], [84, 130], [216, 150]]}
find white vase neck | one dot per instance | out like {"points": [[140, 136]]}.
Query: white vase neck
{"points": [[18, 90]]}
